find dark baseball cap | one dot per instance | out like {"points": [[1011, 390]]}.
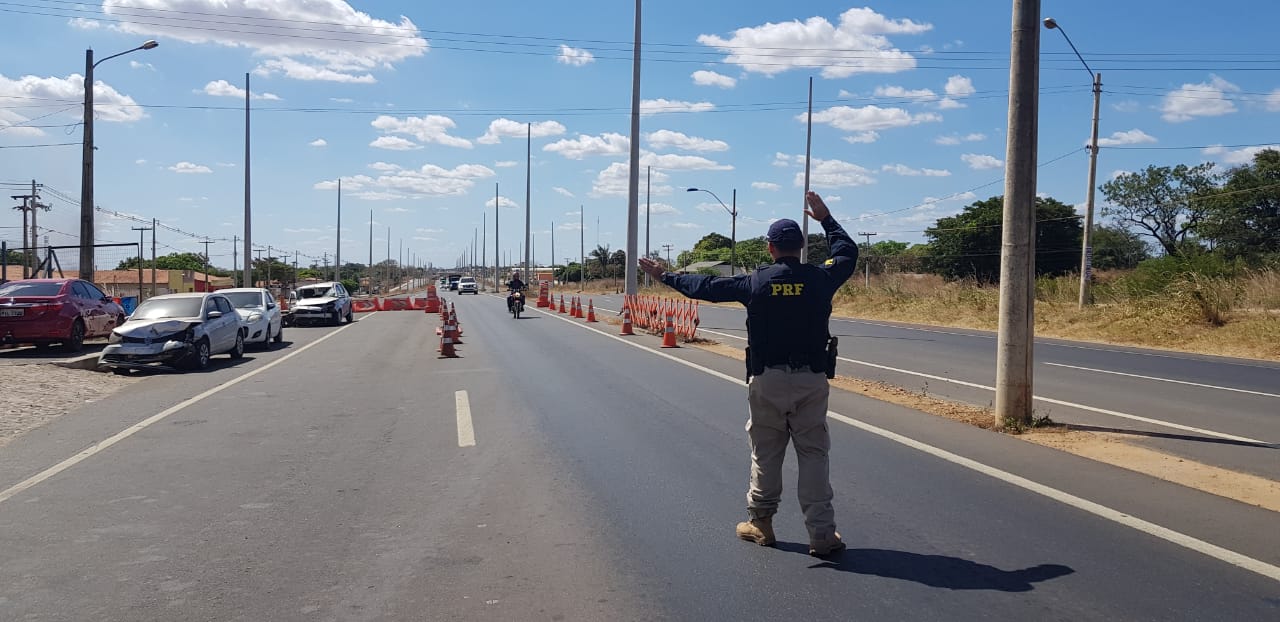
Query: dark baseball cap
{"points": [[785, 233]]}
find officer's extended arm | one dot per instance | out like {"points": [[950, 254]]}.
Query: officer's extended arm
{"points": [[711, 288], [844, 252]]}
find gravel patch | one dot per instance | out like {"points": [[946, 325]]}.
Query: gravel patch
{"points": [[33, 395]]}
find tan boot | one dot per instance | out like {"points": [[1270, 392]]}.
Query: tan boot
{"points": [[758, 530], [830, 546]]}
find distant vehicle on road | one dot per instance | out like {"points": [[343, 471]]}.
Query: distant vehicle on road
{"points": [[43, 312], [453, 281], [260, 313], [323, 301], [179, 331], [467, 285]]}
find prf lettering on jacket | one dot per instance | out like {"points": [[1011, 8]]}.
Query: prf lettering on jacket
{"points": [[786, 289]]}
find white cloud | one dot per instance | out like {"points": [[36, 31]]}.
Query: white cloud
{"points": [[429, 129], [857, 45], [506, 163], [899, 92], [190, 168], [570, 226], [868, 118], [504, 201], [1273, 101], [907, 171], [1127, 105], [703, 77], [1205, 99], [109, 105], [1131, 137], [227, 164], [659, 209], [385, 166], [319, 142], [342, 100], [562, 191], [428, 180], [659, 106], [222, 88], [506, 128], [677, 162], [979, 162], [1237, 156], [574, 57], [947, 140], [663, 139], [133, 64], [84, 24], [781, 160], [609, 144], [765, 185], [946, 103], [685, 225], [394, 143], [428, 231], [959, 86], [955, 139], [614, 180], [862, 137], [341, 43], [139, 161], [834, 174]]}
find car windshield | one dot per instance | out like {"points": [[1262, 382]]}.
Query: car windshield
{"points": [[31, 289], [468, 280], [315, 292], [158, 308], [244, 300]]}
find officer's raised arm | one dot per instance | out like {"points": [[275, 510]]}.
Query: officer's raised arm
{"points": [[702, 286], [844, 251]]}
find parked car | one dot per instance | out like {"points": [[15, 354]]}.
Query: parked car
{"points": [[323, 301], [287, 305], [467, 285], [175, 331], [259, 312], [43, 312]]}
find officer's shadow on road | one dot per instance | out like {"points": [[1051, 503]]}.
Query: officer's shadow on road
{"points": [[940, 571]]}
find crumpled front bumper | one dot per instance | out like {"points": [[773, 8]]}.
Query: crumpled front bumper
{"points": [[142, 356]]}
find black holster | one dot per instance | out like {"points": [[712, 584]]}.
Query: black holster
{"points": [[833, 353]]}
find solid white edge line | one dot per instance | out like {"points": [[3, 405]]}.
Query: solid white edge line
{"points": [[89, 452], [1096, 509], [1158, 379], [1049, 400], [466, 431]]}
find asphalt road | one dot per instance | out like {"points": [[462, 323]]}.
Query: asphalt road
{"points": [[1218, 410], [335, 479]]}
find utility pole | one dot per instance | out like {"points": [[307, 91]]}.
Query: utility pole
{"points": [[866, 265], [582, 249], [153, 257], [553, 250], [248, 230], [668, 247], [808, 149], [206, 264], [141, 231], [528, 172], [633, 181], [497, 254], [1014, 349], [484, 233], [269, 261], [235, 259], [337, 254], [648, 179], [369, 268]]}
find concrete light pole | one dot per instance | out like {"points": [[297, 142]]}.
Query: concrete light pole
{"points": [[86, 162], [733, 248]]}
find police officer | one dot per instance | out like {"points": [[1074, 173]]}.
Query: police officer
{"points": [[790, 355]]}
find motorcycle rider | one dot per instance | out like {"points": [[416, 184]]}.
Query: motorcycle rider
{"points": [[514, 285]]}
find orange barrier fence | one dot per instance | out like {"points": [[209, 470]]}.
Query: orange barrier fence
{"points": [[649, 313], [364, 305]]}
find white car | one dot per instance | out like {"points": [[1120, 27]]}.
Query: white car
{"points": [[175, 331], [467, 285], [329, 302], [259, 313]]}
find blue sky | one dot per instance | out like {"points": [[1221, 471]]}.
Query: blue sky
{"points": [[420, 107]]}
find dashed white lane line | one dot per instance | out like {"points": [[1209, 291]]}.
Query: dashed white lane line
{"points": [[1158, 379], [466, 431], [1180, 539], [1047, 400], [93, 450]]}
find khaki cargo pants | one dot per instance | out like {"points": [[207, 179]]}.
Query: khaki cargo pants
{"points": [[791, 405]]}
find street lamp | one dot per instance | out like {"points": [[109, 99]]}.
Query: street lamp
{"points": [[733, 249], [1086, 253], [86, 161]]}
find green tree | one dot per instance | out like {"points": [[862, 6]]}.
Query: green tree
{"points": [[1162, 202], [1243, 221], [172, 261], [752, 253], [818, 251], [968, 244], [712, 241], [880, 256], [1117, 248]]}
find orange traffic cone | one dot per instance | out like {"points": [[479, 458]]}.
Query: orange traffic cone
{"points": [[591, 311], [669, 333], [576, 309], [562, 303], [626, 321], [446, 347]]}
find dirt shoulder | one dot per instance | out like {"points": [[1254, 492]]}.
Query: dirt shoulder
{"points": [[33, 395], [1104, 447]]}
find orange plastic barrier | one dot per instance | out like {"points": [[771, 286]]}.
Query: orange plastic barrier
{"points": [[395, 304], [364, 306]]}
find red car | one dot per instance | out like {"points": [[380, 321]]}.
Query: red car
{"points": [[43, 312]]}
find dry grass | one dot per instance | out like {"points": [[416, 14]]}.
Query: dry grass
{"points": [[1209, 315]]}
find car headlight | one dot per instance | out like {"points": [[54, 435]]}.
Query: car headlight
{"points": [[254, 317], [114, 337]]}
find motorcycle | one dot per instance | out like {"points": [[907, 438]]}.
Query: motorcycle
{"points": [[516, 304]]}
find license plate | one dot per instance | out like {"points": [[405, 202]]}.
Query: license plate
{"points": [[11, 312]]}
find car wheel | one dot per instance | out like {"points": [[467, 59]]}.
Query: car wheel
{"points": [[75, 342], [238, 351], [335, 318], [119, 320], [351, 316], [199, 359], [279, 338]]}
